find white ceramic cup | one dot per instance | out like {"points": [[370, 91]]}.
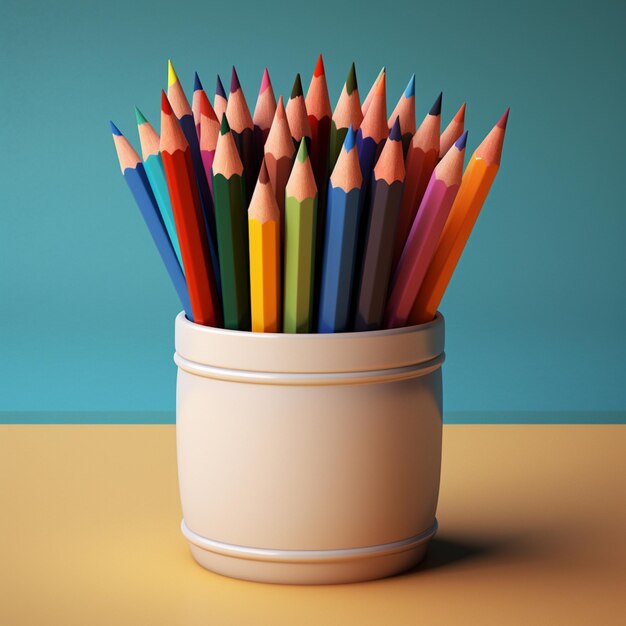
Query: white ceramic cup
{"points": [[309, 458]]}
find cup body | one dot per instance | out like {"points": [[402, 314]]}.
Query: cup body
{"points": [[309, 458]]}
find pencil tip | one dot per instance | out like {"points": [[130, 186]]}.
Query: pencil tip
{"points": [[381, 86], [140, 117], [461, 141], [395, 133], [436, 108], [224, 127], [171, 74], [319, 67], [234, 81], [504, 119], [263, 175], [351, 83], [197, 85], [165, 104], [460, 114], [409, 92], [297, 87], [280, 107], [219, 88], [115, 130], [350, 141], [265, 82], [303, 153]]}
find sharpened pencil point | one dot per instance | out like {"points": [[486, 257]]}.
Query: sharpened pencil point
{"points": [[140, 117], [460, 114], [224, 127], [436, 108], [461, 141], [197, 85], [350, 141], [280, 108], [219, 88], [263, 175], [319, 67], [296, 90], [115, 130], [504, 119], [351, 83], [234, 81], [303, 153], [171, 74], [265, 82], [409, 92], [394, 133], [381, 86], [165, 104]]}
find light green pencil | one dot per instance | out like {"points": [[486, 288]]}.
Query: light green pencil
{"points": [[300, 225]]}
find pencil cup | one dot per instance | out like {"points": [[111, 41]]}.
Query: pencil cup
{"points": [[308, 459]]}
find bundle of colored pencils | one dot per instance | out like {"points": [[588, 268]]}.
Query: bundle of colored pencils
{"points": [[300, 219]]}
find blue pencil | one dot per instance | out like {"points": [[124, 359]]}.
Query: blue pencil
{"points": [[340, 243], [135, 176]]}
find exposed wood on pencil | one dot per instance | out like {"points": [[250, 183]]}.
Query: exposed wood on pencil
{"points": [[452, 132], [297, 114]]}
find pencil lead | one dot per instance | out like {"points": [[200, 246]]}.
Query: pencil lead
{"points": [[224, 127], [171, 74], [409, 92], [265, 82], [165, 104], [504, 119], [297, 88], [234, 81], [140, 117], [219, 88], [197, 85], [394, 133], [319, 67], [436, 108], [351, 83], [115, 130], [460, 114], [461, 141], [303, 153], [350, 141]]}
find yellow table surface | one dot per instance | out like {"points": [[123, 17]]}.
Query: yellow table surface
{"points": [[532, 531]]}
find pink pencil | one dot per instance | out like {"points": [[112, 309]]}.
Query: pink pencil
{"points": [[424, 236], [209, 133]]}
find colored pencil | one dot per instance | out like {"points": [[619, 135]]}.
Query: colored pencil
{"points": [[242, 131], [477, 180], [265, 263], [279, 153], [373, 131], [424, 236], [195, 102], [264, 111], [421, 159], [153, 165], [347, 113], [405, 110], [452, 132], [189, 219], [297, 116], [300, 223], [220, 102], [139, 185], [319, 113], [370, 94], [386, 195], [340, 241], [209, 132], [180, 105], [232, 230]]}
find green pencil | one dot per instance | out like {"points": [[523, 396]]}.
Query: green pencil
{"points": [[232, 230], [300, 226]]}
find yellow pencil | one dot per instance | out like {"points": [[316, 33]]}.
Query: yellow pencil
{"points": [[264, 235]]}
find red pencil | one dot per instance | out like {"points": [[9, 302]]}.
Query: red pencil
{"points": [[189, 220]]}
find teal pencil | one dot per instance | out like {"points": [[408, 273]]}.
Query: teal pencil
{"points": [[153, 165]]}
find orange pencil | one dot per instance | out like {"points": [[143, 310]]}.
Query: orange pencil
{"points": [[452, 132], [279, 153], [368, 99], [477, 180], [297, 115], [189, 220], [421, 159]]}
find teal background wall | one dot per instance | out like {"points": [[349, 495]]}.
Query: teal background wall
{"points": [[537, 308]]}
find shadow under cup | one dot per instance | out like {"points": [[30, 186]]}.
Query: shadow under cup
{"points": [[308, 459]]}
